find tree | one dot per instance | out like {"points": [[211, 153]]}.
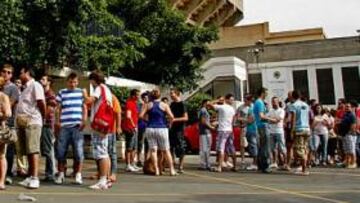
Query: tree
{"points": [[55, 32], [176, 49]]}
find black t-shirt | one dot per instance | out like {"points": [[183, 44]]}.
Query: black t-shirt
{"points": [[178, 109]]}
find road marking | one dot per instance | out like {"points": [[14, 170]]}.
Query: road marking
{"points": [[266, 188], [337, 174]]}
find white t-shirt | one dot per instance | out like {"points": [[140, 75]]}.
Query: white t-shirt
{"points": [[226, 115], [320, 128], [278, 113]]}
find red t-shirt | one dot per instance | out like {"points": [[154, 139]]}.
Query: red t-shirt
{"points": [[340, 113], [131, 105]]}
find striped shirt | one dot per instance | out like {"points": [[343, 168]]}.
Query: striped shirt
{"points": [[71, 103]]}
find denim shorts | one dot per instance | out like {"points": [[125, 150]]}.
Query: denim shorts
{"points": [[131, 141], [70, 136], [277, 140], [100, 146], [252, 139]]}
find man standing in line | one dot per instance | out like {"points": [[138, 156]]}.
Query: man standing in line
{"points": [[300, 131], [11, 91], [277, 137], [226, 114], [47, 136], [261, 123], [130, 128], [30, 114], [177, 138], [205, 129]]}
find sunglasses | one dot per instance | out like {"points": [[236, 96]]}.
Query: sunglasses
{"points": [[8, 72]]}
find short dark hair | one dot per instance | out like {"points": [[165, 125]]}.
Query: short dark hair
{"points": [[228, 96], [261, 91], [296, 94], [176, 90], [48, 78], [354, 104], [249, 97], [204, 101], [164, 98], [28, 69], [133, 92], [97, 76], [274, 97], [72, 76]]}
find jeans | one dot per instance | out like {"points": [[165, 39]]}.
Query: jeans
{"points": [[322, 142], [205, 148], [112, 152], [70, 136], [10, 154], [253, 141], [264, 149], [47, 150]]}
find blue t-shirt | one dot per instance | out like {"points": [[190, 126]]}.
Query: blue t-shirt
{"points": [[259, 107], [302, 112], [251, 127]]}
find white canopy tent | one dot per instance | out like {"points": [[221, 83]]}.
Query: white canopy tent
{"points": [[132, 84]]}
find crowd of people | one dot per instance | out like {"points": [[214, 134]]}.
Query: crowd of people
{"points": [[292, 135], [283, 135]]}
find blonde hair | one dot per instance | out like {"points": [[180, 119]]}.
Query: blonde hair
{"points": [[2, 82]]}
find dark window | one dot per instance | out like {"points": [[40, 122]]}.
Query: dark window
{"points": [[301, 82], [255, 83], [325, 85], [351, 82]]}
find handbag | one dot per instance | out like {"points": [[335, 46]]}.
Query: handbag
{"points": [[7, 135], [22, 120], [104, 117]]}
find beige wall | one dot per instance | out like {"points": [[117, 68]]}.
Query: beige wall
{"points": [[247, 35]]}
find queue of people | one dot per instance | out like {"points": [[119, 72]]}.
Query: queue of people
{"points": [[287, 135]]}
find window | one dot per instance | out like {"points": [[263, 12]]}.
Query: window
{"points": [[301, 82], [325, 85], [255, 83], [351, 82]]}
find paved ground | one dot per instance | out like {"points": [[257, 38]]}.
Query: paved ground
{"points": [[323, 185]]}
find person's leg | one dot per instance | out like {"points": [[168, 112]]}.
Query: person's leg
{"points": [[113, 156], [208, 150], [202, 150], [182, 150], [140, 146], [3, 166], [101, 155], [10, 154], [47, 148], [78, 147], [324, 143], [33, 136], [232, 150], [221, 148]]}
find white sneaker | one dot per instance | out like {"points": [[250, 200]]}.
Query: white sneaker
{"points": [[274, 165], [252, 167], [130, 168], [59, 179], [136, 167], [78, 179], [229, 164], [25, 182], [34, 183], [99, 186]]}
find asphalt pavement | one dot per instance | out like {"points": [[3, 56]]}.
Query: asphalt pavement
{"points": [[335, 185]]}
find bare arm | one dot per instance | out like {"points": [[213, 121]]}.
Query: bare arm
{"points": [[6, 107], [184, 118], [84, 116], [42, 107], [169, 113], [144, 109]]}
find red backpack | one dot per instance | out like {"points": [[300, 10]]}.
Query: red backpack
{"points": [[103, 121]]}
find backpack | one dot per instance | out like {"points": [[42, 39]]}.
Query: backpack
{"points": [[103, 121]]}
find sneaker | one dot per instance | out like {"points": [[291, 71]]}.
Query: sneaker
{"points": [[229, 164], [130, 168], [25, 182], [136, 167], [78, 179], [99, 186], [301, 173], [352, 166], [34, 183], [224, 165], [59, 179], [8, 181], [48, 179], [274, 165], [252, 167]]}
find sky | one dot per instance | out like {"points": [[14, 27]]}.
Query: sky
{"points": [[339, 18]]}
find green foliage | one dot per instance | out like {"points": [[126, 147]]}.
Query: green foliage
{"points": [[122, 93], [194, 104], [176, 49]]}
